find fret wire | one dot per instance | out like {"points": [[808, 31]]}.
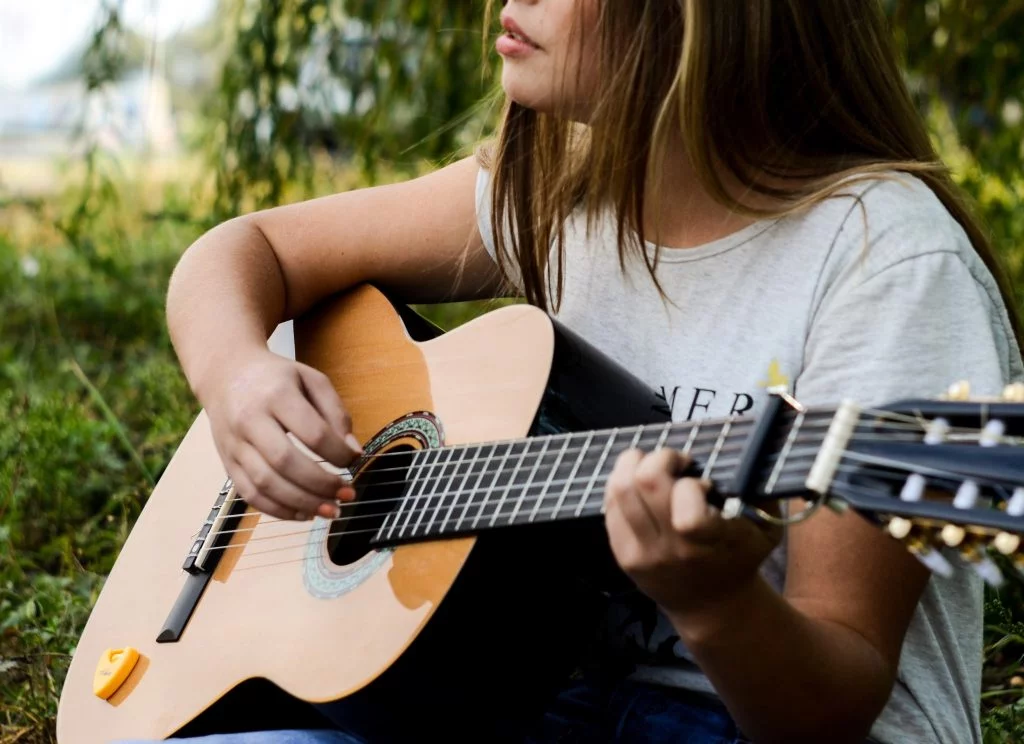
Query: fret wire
{"points": [[779, 463], [597, 471], [636, 437], [489, 460], [586, 492], [434, 476], [572, 473], [497, 509], [479, 478], [690, 439], [718, 447], [664, 436], [441, 476], [508, 486], [411, 499], [551, 477], [795, 478], [594, 509], [465, 479], [529, 480]]}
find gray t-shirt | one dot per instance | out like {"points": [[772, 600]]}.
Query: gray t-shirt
{"points": [[875, 296]]}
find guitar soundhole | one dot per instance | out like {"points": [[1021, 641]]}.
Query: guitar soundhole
{"points": [[379, 486]]}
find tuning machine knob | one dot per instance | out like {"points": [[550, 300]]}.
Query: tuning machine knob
{"points": [[958, 391], [1014, 392], [1008, 543], [922, 543]]}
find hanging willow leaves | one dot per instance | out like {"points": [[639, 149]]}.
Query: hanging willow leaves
{"points": [[389, 82]]}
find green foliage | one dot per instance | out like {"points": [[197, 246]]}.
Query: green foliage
{"points": [[93, 403], [965, 66], [385, 83]]}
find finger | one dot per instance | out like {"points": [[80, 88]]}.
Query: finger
{"points": [[249, 493], [297, 415], [270, 440], [692, 516], [659, 470], [324, 397], [625, 545], [654, 478], [270, 484], [620, 479]]}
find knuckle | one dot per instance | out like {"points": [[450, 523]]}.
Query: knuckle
{"points": [[262, 478], [280, 458], [319, 435], [633, 558], [619, 483], [649, 475]]}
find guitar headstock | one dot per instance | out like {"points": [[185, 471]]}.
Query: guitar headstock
{"points": [[943, 476]]}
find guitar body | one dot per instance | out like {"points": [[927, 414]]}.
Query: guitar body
{"points": [[277, 608]]}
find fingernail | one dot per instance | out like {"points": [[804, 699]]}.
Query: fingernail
{"points": [[353, 443], [329, 511]]}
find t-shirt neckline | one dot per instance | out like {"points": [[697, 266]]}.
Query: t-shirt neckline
{"points": [[668, 254]]}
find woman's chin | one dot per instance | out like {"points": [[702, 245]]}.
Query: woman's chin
{"points": [[526, 92]]}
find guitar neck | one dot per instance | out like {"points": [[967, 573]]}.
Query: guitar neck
{"points": [[469, 489]]}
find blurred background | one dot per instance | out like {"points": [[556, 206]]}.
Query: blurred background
{"points": [[128, 127]]}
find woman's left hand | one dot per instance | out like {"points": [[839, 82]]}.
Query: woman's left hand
{"points": [[671, 542]]}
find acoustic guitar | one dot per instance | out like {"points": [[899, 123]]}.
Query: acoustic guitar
{"points": [[464, 578]]}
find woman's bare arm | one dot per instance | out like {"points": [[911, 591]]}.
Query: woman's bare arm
{"points": [[238, 281]]}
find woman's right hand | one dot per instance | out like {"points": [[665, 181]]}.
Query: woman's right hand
{"points": [[252, 407]]}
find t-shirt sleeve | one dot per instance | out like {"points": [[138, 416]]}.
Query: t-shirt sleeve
{"points": [[910, 329], [483, 219], [483, 209]]}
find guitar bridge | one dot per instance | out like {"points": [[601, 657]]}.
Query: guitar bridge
{"points": [[206, 551]]}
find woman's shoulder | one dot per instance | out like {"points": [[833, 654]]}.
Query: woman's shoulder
{"points": [[892, 221]]}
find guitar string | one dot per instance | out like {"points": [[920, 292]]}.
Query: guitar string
{"points": [[525, 459], [704, 436], [783, 482], [591, 511], [507, 486], [492, 517], [813, 419], [528, 459], [953, 434], [453, 506], [524, 465], [845, 487]]}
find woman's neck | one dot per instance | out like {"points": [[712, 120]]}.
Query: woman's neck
{"points": [[680, 213]]}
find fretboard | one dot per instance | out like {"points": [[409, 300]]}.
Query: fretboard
{"points": [[468, 489]]}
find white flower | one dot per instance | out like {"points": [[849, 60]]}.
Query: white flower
{"points": [[29, 266], [1012, 112]]}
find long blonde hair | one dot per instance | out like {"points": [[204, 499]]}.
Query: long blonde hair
{"points": [[790, 99]]}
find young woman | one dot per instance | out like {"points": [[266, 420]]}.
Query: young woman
{"points": [[722, 196]]}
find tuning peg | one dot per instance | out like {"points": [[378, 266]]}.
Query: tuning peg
{"points": [[966, 498], [973, 551], [959, 391], [1014, 392], [992, 434], [1008, 543], [920, 542]]}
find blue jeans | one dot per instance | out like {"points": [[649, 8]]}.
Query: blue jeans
{"points": [[582, 713]]}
